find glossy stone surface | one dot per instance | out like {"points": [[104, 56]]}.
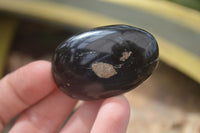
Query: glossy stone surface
{"points": [[104, 61]]}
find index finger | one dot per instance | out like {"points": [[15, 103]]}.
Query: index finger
{"points": [[23, 88]]}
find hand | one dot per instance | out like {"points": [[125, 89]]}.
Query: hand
{"points": [[31, 92]]}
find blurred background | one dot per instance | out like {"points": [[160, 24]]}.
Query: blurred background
{"points": [[169, 101]]}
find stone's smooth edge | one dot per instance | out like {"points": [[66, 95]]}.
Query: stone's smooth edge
{"points": [[143, 69]]}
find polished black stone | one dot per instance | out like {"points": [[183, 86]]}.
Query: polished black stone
{"points": [[104, 61]]}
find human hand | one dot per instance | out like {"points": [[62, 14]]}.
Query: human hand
{"points": [[31, 92]]}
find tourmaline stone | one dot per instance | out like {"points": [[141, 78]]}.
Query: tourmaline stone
{"points": [[104, 62]]}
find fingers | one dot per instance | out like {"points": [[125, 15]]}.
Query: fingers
{"points": [[46, 116], [113, 116], [23, 88], [28, 86], [104, 116], [83, 119]]}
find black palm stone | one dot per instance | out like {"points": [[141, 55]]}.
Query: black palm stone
{"points": [[104, 61]]}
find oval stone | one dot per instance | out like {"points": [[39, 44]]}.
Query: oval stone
{"points": [[104, 61]]}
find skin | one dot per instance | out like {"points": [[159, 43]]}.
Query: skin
{"points": [[31, 92]]}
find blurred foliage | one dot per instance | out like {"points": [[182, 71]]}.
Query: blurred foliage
{"points": [[195, 4], [7, 30]]}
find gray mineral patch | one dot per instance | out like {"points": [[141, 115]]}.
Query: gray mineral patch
{"points": [[103, 70], [125, 56]]}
